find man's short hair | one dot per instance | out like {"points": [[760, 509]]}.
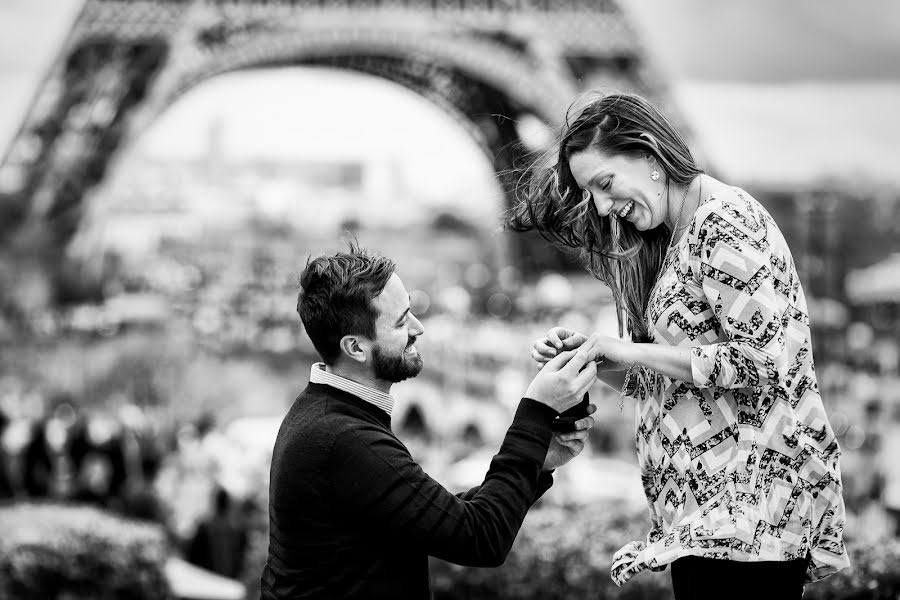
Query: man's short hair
{"points": [[336, 294]]}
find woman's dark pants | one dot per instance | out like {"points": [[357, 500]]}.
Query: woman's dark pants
{"points": [[698, 578]]}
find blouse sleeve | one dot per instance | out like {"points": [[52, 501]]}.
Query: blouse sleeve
{"points": [[731, 257]]}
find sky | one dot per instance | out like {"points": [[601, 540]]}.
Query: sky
{"points": [[31, 32], [782, 91], [768, 41], [310, 114]]}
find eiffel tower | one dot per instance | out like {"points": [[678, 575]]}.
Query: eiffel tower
{"points": [[485, 62]]}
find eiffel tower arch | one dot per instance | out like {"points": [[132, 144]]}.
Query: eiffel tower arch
{"points": [[485, 62]]}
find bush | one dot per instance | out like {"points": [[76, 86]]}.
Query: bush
{"points": [[560, 553], [565, 553], [874, 574], [57, 552]]}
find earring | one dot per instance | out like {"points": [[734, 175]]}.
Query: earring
{"points": [[654, 174], [585, 195]]}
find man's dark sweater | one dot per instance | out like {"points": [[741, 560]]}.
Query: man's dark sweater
{"points": [[351, 514]]}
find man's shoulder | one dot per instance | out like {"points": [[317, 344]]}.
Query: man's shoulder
{"points": [[351, 423], [326, 409], [307, 433], [323, 428]]}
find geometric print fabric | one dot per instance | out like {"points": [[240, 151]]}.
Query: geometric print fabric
{"points": [[741, 463]]}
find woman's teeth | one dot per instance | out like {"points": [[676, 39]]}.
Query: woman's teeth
{"points": [[625, 211]]}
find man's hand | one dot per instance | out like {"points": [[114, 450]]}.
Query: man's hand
{"points": [[566, 446], [565, 378], [560, 339]]}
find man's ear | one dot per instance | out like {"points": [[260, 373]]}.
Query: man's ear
{"points": [[355, 348]]}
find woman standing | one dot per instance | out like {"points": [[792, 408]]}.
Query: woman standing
{"points": [[739, 462]]}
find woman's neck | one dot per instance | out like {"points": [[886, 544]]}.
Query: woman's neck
{"points": [[683, 202]]}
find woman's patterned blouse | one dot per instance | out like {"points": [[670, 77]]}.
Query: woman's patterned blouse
{"points": [[741, 463]]}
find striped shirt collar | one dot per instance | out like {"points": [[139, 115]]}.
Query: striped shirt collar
{"points": [[318, 374]]}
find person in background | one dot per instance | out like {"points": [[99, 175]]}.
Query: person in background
{"points": [[351, 514], [94, 482], [739, 462], [220, 543], [37, 464]]}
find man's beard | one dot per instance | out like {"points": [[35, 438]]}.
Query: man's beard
{"points": [[396, 368]]}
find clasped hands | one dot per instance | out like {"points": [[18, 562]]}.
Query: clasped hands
{"points": [[569, 364], [561, 384], [607, 352]]}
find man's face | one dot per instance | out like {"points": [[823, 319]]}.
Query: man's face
{"points": [[394, 355]]}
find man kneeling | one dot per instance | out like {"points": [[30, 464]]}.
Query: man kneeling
{"points": [[351, 513]]}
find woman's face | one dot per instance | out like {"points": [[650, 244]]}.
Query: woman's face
{"points": [[621, 186]]}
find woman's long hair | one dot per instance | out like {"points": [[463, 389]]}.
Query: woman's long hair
{"points": [[550, 201]]}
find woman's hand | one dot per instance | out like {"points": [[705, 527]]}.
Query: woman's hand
{"points": [[566, 377], [560, 339], [617, 354]]}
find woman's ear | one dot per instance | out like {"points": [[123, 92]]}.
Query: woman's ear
{"points": [[651, 141]]}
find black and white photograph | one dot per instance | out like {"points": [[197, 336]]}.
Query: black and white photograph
{"points": [[449, 299]]}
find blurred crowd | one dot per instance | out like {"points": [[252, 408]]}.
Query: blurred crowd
{"points": [[138, 465]]}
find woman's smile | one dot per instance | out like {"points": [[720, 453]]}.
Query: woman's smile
{"points": [[626, 210]]}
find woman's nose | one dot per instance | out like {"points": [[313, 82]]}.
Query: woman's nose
{"points": [[603, 204]]}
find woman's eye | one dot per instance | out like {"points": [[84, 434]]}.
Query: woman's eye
{"points": [[606, 184]]}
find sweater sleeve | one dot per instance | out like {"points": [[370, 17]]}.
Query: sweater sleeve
{"points": [[732, 259], [382, 487], [545, 482]]}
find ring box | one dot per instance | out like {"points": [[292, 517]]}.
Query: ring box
{"points": [[565, 422]]}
